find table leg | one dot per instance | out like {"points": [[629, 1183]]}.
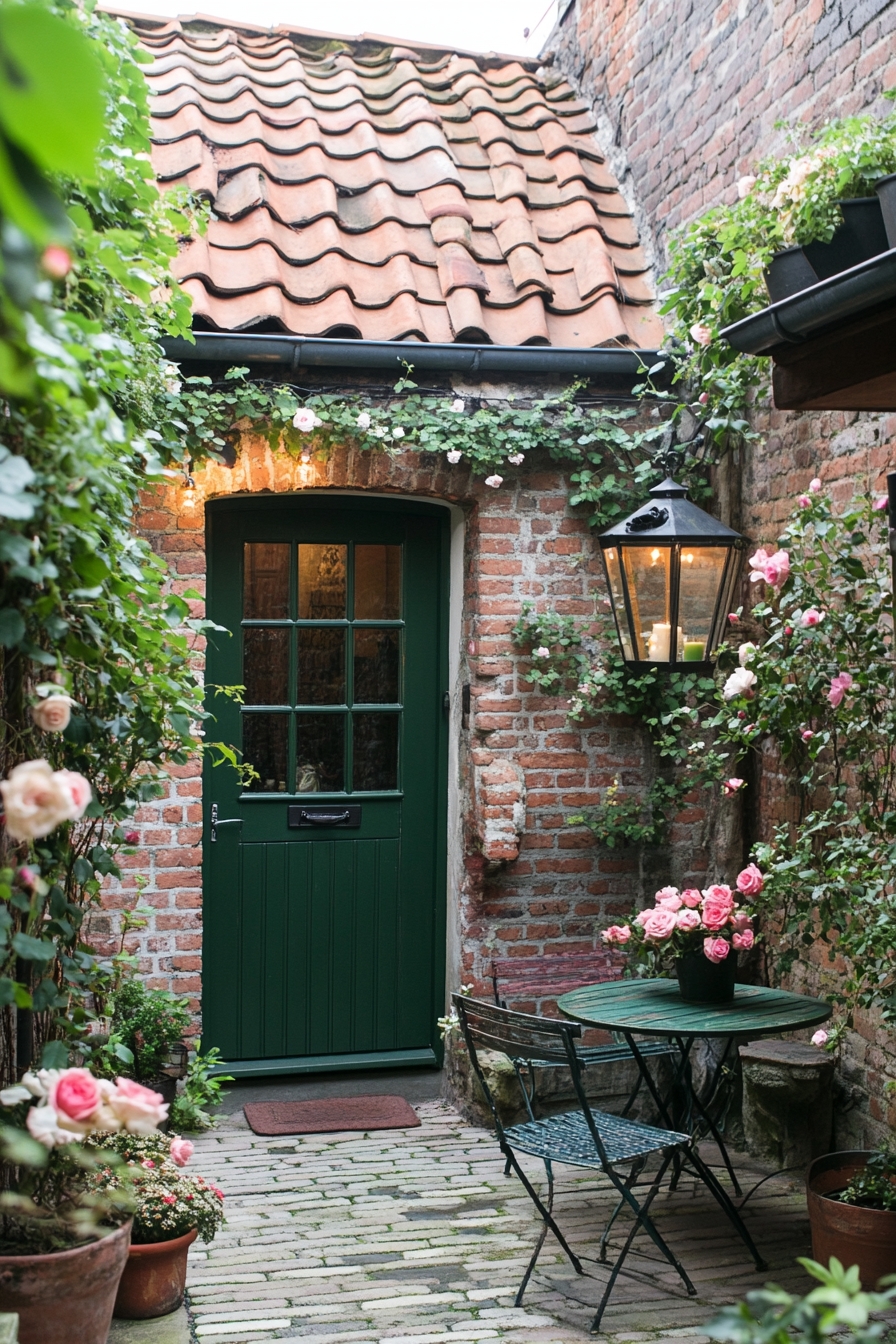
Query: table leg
{"points": [[704, 1111]]}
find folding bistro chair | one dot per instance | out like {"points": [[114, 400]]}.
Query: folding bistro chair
{"points": [[580, 1138], [549, 977]]}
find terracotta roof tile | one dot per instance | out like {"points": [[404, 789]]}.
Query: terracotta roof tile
{"points": [[367, 189]]}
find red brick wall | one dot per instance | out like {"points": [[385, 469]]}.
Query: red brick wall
{"points": [[523, 542], [687, 95]]}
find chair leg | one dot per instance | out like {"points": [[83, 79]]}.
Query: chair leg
{"points": [[642, 1219], [548, 1219], [630, 1180]]}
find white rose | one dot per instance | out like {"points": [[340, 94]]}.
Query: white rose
{"points": [[494, 481], [745, 185], [398, 432], [516, 458], [363, 420], [36, 800], [53, 715], [745, 653], [305, 420], [43, 1125], [458, 406], [454, 457], [740, 682]]}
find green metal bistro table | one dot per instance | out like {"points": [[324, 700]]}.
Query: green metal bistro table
{"points": [[656, 1008]]}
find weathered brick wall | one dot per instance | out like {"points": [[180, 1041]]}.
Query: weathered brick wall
{"points": [[523, 543], [687, 96]]}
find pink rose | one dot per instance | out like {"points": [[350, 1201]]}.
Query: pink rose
{"points": [[305, 420], [820, 1038], [56, 261], [687, 920], [777, 569], [742, 941], [131, 837], [804, 501], [732, 786], [715, 949], [815, 485], [27, 878], [807, 734], [658, 923], [741, 921], [691, 897], [701, 334], [75, 1094], [37, 799], [53, 715], [617, 933], [138, 1109], [733, 617], [718, 904], [812, 616], [669, 898], [181, 1151], [836, 691], [169, 1199], [758, 563], [882, 503], [750, 882], [79, 791]]}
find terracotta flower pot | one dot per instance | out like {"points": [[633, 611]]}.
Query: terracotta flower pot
{"points": [[154, 1279], [703, 981], [68, 1295], [857, 1236]]}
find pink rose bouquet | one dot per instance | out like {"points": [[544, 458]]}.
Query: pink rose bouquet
{"points": [[711, 921]]}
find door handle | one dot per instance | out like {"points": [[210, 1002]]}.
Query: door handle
{"points": [[325, 818], [214, 823]]}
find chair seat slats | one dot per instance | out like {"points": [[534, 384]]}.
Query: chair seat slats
{"points": [[567, 1138]]}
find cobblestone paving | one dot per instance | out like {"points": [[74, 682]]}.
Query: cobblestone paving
{"points": [[417, 1237]]}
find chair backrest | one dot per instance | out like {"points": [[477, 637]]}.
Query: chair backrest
{"points": [[553, 974], [521, 1036]]}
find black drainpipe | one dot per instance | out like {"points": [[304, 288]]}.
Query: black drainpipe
{"points": [[618, 368]]}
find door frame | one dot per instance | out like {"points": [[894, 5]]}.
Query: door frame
{"points": [[447, 934]]}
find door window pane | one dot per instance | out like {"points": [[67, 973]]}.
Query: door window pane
{"points": [[266, 747], [320, 753], [266, 665], [377, 583], [375, 751], [322, 582], [321, 666], [376, 667], [266, 581]]}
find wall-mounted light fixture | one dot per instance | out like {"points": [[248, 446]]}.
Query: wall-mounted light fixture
{"points": [[671, 571]]}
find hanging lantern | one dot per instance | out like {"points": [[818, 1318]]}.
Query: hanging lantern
{"points": [[671, 571]]}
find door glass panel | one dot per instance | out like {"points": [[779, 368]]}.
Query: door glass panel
{"points": [[322, 588], [266, 665], [376, 667], [321, 666], [377, 583], [320, 753], [266, 747], [265, 581], [375, 751]]}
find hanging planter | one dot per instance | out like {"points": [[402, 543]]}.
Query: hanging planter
{"points": [[861, 236]]}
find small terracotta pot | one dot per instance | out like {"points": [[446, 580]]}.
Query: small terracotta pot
{"points": [[857, 1236], [154, 1279], [68, 1295]]}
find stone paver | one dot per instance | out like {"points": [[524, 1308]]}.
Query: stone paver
{"points": [[417, 1237]]}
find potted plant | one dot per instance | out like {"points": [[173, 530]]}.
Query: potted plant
{"points": [[151, 1023], [697, 932], [64, 1235], [838, 1307], [171, 1209], [852, 1210]]}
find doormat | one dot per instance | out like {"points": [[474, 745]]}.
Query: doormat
{"points": [[330, 1116]]}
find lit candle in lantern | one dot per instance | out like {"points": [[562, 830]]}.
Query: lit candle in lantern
{"points": [[693, 650], [659, 642]]}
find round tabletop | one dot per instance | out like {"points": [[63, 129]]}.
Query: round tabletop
{"points": [[656, 1008]]}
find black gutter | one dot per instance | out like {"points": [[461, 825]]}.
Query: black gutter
{"points": [[827, 304], [616, 365]]}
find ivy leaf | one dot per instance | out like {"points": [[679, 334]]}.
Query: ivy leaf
{"points": [[12, 627], [33, 949]]}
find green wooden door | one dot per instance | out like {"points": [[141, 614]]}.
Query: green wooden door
{"points": [[324, 876]]}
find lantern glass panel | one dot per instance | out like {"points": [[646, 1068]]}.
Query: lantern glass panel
{"points": [[614, 581], [647, 573], [702, 570]]}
